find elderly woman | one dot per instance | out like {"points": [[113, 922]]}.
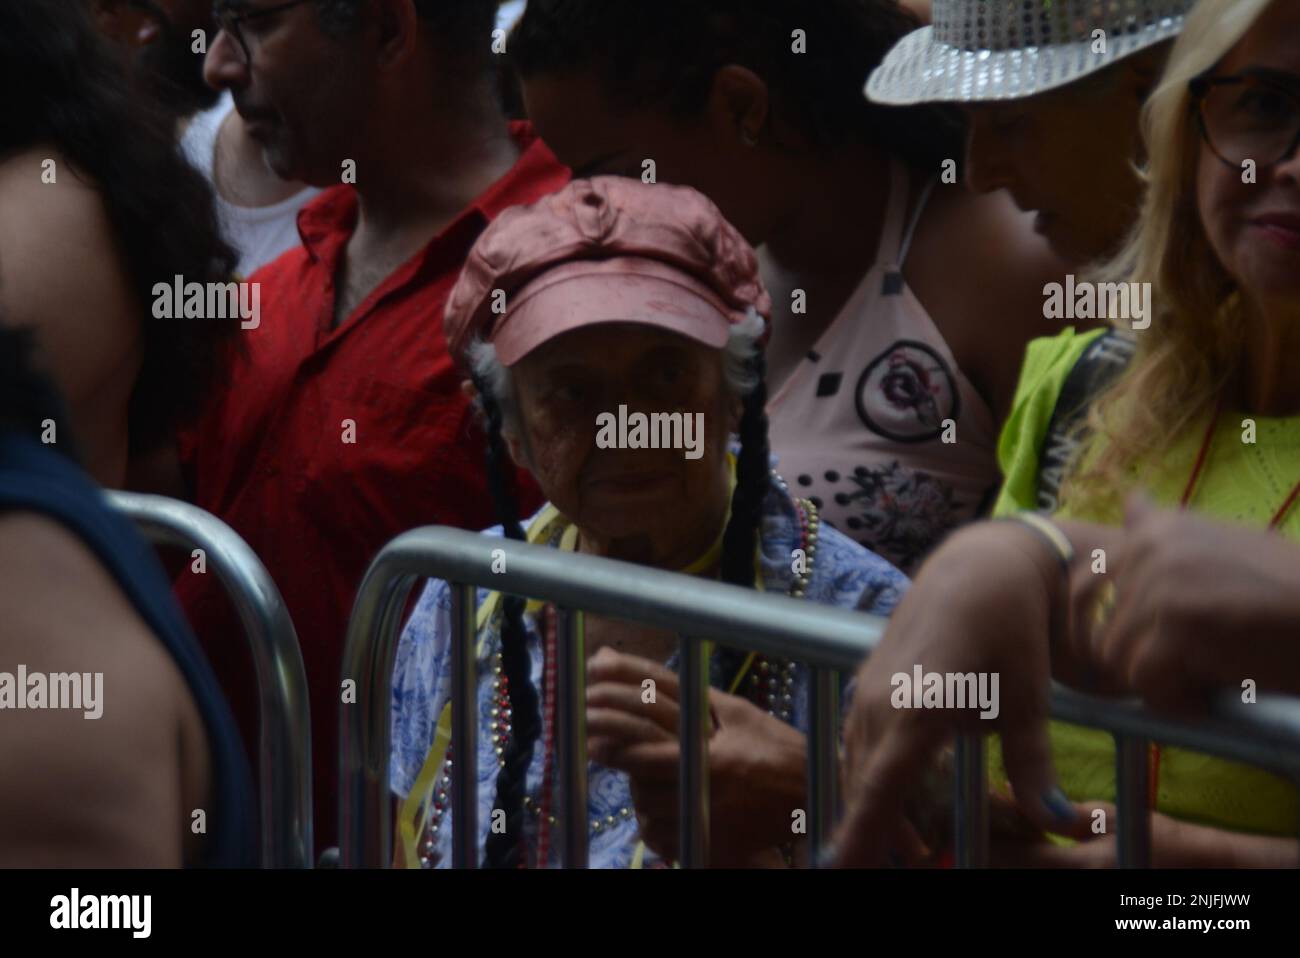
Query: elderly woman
{"points": [[620, 297], [1206, 416]]}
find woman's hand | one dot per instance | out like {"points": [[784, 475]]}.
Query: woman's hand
{"points": [[756, 762], [1187, 593], [983, 603]]}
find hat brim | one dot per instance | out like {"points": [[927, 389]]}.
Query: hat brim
{"points": [[920, 69], [610, 291]]}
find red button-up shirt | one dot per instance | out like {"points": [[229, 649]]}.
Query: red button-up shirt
{"points": [[329, 442]]}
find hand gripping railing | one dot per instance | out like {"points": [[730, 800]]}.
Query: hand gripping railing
{"points": [[829, 640], [285, 723]]}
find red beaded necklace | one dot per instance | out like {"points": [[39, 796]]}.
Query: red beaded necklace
{"points": [[1197, 468]]}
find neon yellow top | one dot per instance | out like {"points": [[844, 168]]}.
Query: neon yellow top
{"points": [[1241, 482]]}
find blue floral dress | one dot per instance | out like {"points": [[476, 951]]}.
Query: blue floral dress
{"points": [[843, 574]]}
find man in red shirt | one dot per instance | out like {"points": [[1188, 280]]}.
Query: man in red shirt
{"points": [[344, 423]]}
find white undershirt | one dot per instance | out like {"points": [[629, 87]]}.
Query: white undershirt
{"points": [[258, 233]]}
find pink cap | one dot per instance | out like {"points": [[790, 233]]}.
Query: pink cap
{"points": [[603, 250]]}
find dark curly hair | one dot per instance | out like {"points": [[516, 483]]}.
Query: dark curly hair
{"points": [[666, 53], [28, 395], [62, 83]]}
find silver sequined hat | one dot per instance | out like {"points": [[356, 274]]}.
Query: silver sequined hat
{"points": [[1008, 49]]}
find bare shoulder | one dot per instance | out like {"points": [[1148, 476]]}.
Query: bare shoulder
{"points": [[41, 181], [979, 269], [103, 780], [63, 272], [988, 246], [52, 216]]}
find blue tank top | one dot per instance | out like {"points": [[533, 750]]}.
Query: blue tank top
{"points": [[35, 478]]}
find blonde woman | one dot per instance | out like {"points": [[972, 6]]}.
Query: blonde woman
{"points": [[1205, 417]]}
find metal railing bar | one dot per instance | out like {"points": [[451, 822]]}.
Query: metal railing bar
{"points": [[464, 727], [1132, 778], [971, 809], [572, 734], [365, 730], [1265, 734], [284, 737], [696, 725], [704, 609], [823, 759]]}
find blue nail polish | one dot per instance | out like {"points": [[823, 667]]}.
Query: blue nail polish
{"points": [[1060, 807]]}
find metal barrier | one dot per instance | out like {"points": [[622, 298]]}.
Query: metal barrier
{"points": [[829, 640], [284, 767]]}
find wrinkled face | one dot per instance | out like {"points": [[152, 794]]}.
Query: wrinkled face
{"points": [[1254, 228], [565, 385], [593, 136], [1067, 155], [303, 93]]}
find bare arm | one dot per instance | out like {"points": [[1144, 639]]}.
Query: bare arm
{"points": [[112, 791]]}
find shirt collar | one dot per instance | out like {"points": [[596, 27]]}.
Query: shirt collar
{"points": [[327, 222]]}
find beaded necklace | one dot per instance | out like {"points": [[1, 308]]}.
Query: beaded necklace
{"points": [[770, 687]]}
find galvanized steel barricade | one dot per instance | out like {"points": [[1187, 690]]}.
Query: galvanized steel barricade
{"points": [[284, 767], [829, 640]]}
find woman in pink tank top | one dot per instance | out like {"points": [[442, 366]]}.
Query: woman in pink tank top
{"points": [[888, 373], [878, 424]]}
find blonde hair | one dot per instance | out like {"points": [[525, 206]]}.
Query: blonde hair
{"points": [[1194, 345]]}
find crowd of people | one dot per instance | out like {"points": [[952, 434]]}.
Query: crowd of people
{"points": [[827, 232]]}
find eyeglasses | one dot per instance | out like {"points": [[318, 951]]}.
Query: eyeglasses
{"points": [[231, 19], [1248, 117]]}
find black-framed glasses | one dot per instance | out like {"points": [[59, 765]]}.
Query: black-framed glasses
{"points": [[1248, 116], [230, 17]]}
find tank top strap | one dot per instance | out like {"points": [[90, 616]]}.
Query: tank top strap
{"points": [[906, 244], [892, 233]]}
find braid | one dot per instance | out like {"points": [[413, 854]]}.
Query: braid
{"points": [[503, 849], [753, 466]]}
